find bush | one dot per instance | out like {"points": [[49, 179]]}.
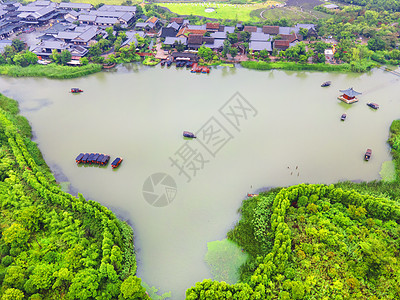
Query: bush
{"points": [[7, 260]]}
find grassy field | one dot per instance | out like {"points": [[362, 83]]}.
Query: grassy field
{"points": [[221, 10], [292, 13]]}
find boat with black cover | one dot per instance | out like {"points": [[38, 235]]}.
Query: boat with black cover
{"points": [[189, 134], [373, 105]]}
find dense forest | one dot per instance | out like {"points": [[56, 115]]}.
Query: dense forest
{"points": [[392, 5], [318, 242], [53, 245]]}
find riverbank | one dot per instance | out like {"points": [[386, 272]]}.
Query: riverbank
{"points": [[293, 66], [52, 71]]}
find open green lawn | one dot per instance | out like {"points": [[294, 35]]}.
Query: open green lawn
{"points": [[292, 13], [221, 10]]}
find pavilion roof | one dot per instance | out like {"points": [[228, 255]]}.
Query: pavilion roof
{"points": [[350, 92]]}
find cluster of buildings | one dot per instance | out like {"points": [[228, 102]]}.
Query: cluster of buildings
{"points": [[213, 35], [72, 26], [75, 27]]}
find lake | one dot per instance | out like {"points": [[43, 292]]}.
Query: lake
{"points": [[256, 129]]}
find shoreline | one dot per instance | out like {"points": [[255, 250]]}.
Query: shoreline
{"points": [[53, 71]]}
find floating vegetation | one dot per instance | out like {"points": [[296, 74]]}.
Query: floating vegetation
{"points": [[224, 258]]}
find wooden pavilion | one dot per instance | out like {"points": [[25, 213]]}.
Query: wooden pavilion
{"points": [[349, 96]]}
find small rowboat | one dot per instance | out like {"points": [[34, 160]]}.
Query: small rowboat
{"points": [[116, 162], [326, 83], [343, 117], [76, 90], [189, 134], [368, 154], [373, 105]]}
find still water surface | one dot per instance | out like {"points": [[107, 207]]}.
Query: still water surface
{"points": [[139, 113]]}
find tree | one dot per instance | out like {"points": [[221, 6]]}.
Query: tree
{"points": [[12, 294], [179, 46], [303, 32], [264, 55], [375, 44], [110, 31], [16, 235], [226, 47], [232, 38], [18, 45], [131, 288], [245, 36], [84, 61], [84, 285], [30, 57], [233, 51], [9, 52], [15, 277], [55, 56], [205, 53], [94, 51], [19, 60], [375, 255]]}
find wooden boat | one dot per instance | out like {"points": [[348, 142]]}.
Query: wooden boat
{"points": [[116, 162], [205, 70], [326, 83], [76, 90], [373, 105], [252, 195], [92, 158], [194, 68], [343, 117], [368, 154], [189, 134], [109, 66], [78, 159]]}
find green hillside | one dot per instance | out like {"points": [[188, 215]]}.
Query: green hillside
{"points": [[53, 245]]}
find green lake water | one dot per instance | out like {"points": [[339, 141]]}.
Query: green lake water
{"points": [[255, 130]]}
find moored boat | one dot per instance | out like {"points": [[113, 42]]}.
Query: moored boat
{"points": [[343, 117], [326, 83], [189, 134], [78, 159], [368, 154], [92, 158], [373, 105], [76, 90], [252, 195], [116, 162]]}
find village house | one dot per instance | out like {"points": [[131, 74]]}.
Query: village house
{"points": [[260, 45], [131, 37], [272, 30], [83, 7], [45, 49], [172, 40], [167, 32], [212, 27]]}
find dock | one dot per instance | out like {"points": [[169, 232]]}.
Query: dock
{"points": [[92, 158], [348, 101]]}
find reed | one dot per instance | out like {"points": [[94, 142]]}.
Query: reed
{"points": [[50, 71]]}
